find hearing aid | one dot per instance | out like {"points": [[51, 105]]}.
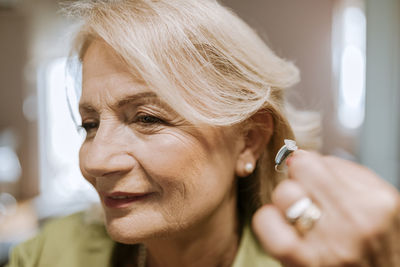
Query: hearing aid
{"points": [[283, 153]]}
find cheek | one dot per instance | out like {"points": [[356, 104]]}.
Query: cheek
{"points": [[174, 160], [192, 176], [182, 155]]}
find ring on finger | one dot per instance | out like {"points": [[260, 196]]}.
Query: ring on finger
{"points": [[303, 214]]}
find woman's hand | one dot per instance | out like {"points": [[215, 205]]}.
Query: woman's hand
{"points": [[360, 221]]}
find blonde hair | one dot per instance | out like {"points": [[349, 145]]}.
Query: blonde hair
{"points": [[204, 61]]}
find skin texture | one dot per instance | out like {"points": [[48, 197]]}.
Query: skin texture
{"points": [[360, 222], [137, 144]]}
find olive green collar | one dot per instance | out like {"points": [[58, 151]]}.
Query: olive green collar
{"points": [[250, 252]]}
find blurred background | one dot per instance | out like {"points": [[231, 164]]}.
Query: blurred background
{"points": [[348, 52]]}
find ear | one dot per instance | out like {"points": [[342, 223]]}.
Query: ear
{"points": [[256, 136]]}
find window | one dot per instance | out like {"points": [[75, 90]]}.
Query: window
{"points": [[63, 189], [349, 44]]}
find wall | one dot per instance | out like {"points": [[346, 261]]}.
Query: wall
{"points": [[380, 140], [32, 33], [13, 47]]}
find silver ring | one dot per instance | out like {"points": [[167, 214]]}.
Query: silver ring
{"points": [[303, 214]]}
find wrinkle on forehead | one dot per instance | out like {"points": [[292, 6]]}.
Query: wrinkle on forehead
{"points": [[117, 103], [106, 78]]}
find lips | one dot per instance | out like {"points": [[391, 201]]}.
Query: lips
{"points": [[123, 199]]}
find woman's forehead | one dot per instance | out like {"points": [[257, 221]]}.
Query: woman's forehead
{"points": [[100, 59], [106, 76]]}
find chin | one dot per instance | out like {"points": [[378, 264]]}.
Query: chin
{"points": [[129, 230]]}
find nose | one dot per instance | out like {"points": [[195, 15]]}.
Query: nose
{"points": [[106, 154]]}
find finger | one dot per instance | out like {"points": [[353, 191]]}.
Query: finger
{"points": [[329, 178], [274, 234], [308, 168], [277, 237], [356, 175], [311, 172], [287, 193]]}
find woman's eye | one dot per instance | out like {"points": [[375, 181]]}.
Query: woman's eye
{"points": [[148, 119], [88, 126]]}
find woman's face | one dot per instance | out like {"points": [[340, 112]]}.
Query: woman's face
{"points": [[155, 173]]}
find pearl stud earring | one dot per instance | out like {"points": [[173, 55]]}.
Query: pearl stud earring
{"points": [[249, 167]]}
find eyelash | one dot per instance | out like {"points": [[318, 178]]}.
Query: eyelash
{"points": [[87, 126], [144, 119], [148, 119]]}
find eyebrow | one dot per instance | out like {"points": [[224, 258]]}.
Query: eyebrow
{"points": [[87, 107], [133, 98]]}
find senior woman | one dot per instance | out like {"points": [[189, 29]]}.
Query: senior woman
{"points": [[183, 109]]}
